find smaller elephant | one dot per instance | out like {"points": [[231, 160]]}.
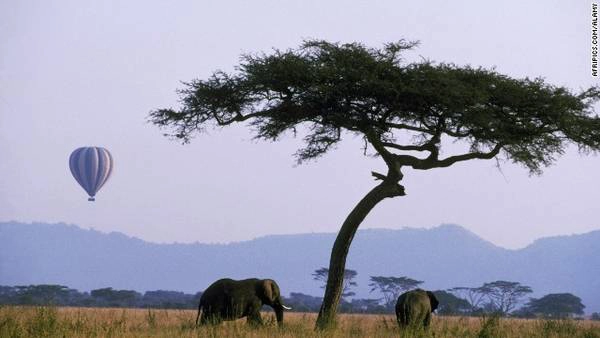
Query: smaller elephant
{"points": [[414, 308], [228, 299]]}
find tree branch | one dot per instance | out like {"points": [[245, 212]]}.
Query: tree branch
{"points": [[239, 117], [379, 147], [457, 133], [432, 163], [424, 147], [378, 176], [408, 127]]}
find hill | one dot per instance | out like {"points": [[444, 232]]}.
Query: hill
{"points": [[444, 257]]}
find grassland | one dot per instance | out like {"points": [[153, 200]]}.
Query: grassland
{"points": [[101, 322]]}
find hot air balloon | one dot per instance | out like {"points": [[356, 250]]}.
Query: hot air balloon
{"points": [[91, 167]]}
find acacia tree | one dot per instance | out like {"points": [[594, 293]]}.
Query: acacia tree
{"points": [[391, 287], [322, 275], [555, 305], [505, 295], [474, 296], [450, 304], [401, 110]]}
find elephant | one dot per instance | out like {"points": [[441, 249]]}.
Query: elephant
{"points": [[414, 308], [228, 299]]}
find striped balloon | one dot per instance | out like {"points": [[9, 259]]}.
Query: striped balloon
{"points": [[91, 167]]}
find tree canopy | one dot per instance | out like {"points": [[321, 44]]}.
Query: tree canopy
{"points": [[555, 305], [451, 304], [473, 295], [391, 287], [59, 295], [504, 295], [498, 296], [330, 88], [322, 275]]}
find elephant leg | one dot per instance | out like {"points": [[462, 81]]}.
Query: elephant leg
{"points": [[401, 321], [427, 320], [402, 317], [210, 318], [254, 317]]}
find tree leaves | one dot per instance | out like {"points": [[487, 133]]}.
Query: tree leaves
{"points": [[325, 89]]}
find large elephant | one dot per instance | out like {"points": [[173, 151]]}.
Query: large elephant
{"points": [[228, 299], [414, 308]]}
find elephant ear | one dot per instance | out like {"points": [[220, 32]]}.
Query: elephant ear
{"points": [[267, 289], [433, 300]]}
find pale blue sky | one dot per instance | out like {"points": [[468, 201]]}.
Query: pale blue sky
{"points": [[76, 73]]}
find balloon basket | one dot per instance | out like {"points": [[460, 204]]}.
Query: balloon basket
{"points": [[91, 199]]}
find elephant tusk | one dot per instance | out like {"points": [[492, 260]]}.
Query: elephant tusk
{"points": [[285, 307]]}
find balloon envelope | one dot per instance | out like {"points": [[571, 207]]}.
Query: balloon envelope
{"points": [[91, 167]]}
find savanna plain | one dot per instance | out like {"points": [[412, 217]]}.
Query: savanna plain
{"points": [[23, 321]]}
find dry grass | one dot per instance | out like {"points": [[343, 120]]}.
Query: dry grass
{"points": [[18, 321]]}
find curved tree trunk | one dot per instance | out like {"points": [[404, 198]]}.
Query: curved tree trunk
{"points": [[337, 263]]}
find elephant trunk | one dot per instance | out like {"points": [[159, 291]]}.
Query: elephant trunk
{"points": [[279, 314], [279, 308]]}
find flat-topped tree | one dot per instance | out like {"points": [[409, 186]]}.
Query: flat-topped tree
{"points": [[322, 275], [402, 110], [391, 287]]}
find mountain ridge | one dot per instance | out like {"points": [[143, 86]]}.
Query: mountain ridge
{"points": [[382, 229], [444, 256]]}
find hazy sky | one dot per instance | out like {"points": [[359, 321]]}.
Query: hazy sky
{"points": [[77, 73]]}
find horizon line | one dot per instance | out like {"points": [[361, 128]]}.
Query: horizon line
{"points": [[403, 228]]}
